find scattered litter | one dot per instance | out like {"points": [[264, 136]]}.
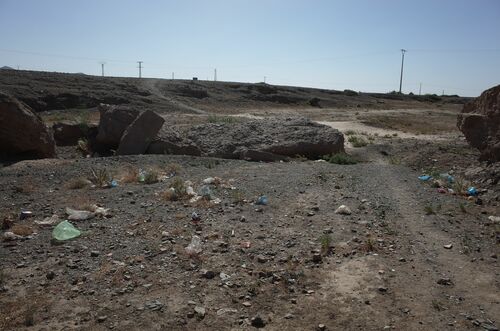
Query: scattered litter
{"points": [[64, 231], [494, 219], [25, 214], [206, 192], [100, 211], [142, 176], [195, 217], [212, 181], [425, 178], [448, 177], [245, 244], [216, 201], [343, 210], [223, 311], [47, 221], [224, 277], [472, 191], [190, 191], [195, 246], [262, 200], [9, 236], [78, 215], [442, 190], [113, 183]]}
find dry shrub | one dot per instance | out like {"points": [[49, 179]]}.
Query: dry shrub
{"points": [[25, 187], [21, 230], [177, 191], [77, 183], [128, 174], [100, 177], [173, 169], [82, 203]]}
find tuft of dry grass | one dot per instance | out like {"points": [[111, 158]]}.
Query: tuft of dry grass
{"points": [[176, 191], [173, 169], [357, 141], [100, 177], [77, 183], [21, 230], [25, 187]]}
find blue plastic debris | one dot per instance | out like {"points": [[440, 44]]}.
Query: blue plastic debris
{"points": [[472, 191], [448, 177], [114, 183], [262, 200], [425, 177]]}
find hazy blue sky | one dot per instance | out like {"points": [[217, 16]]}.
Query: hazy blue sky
{"points": [[453, 45]]}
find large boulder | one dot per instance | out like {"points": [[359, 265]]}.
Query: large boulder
{"points": [[171, 141], [22, 132], [114, 120], [480, 123], [140, 133], [271, 139]]}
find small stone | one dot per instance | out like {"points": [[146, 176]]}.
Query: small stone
{"points": [[448, 246], [247, 303], [316, 258], [262, 259], [288, 316], [343, 210], [445, 281], [257, 322], [321, 327], [200, 311], [94, 253], [50, 275], [101, 319], [382, 289], [208, 274]]}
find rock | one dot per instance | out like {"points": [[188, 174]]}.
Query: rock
{"points": [[113, 122], [68, 133], [316, 258], [101, 319], [448, 246], [170, 141], [50, 275], [272, 139], [140, 133], [262, 259], [22, 132], [494, 219], [257, 322], [200, 311], [480, 123], [321, 327], [445, 281], [343, 210], [94, 253], [208, 274]]}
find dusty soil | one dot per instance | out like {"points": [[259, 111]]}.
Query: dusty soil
{"points": [[294, 262]]}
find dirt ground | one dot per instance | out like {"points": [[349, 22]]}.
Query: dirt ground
{"points": [[405, 258]]}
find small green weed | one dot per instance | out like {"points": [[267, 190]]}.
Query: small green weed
{"points": [[340, 158], [357, 141]]}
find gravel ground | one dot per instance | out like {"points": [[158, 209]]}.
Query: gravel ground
{"points": [[293, 264]]}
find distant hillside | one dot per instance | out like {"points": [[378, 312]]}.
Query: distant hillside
{"points": [[55, 91]]}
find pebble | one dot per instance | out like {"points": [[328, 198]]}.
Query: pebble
{"points": [[321, 327], [343, 210], [316, 258], [262, 259], [200, 311], [257, 322], [101, 319], [445, 281], [50, 275], [448, 246], [208, 274], [94, 253]]}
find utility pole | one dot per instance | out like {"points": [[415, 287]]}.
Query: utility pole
{"points": [[140, 68], [420, 89], [102, 68], [403, 51], [18, 67], [215, 74], [172, 75], [264, 79]]}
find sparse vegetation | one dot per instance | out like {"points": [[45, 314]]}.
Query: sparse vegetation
{"points": [[100, 177], [357, 141], [77, 183], [340, 158], [173, 169], [177, 190], [83, 146], [221, 119], [151, 176], [429, 210], [326, 244], [394, 160], [237, 196], [129, 174]]}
